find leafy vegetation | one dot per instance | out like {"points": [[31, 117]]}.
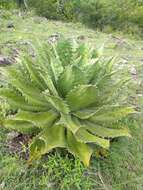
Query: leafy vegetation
{"points": [[120, 167], [6, 4], [68, 97], [108, 15]]}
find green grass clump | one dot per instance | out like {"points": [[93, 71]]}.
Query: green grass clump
{"points": [[53, 172]]}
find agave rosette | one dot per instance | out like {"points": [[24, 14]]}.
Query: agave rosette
{"points": [[65, 97]]}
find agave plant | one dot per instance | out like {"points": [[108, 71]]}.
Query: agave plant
{"points": [[65, 97]]}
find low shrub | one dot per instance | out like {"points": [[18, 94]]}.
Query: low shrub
{"points": [[46, 8], [7, 4], [117, 14], [120, 15], [55, 9]]}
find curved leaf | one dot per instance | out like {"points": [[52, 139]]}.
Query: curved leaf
{"points": [[71, 123], [84, 136], [16, 100], [92, 71], [110, 114], [71, 76], [84, 52], [20, 126], [28, 90], [83, 96], [50, 84], [33, 72], [65, 50], [58, 103], [82, 150], [106, 132], [110, 111], [40, 119], [85, 113], [48, 139]]}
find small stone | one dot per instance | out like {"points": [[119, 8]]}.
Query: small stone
{"points": [[82, 37], [133, 71], [54, 38], [4, 61], [12, 135], [10, 25], [2, 185]]}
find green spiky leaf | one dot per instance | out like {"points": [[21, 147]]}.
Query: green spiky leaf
{"points": [[40, 119], [20, 126], [83, 96], [82, 150], [49, 138], [71, 77]]}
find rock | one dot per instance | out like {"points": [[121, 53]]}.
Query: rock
{"points": [[25, 43], [54, 38], [82, 37], [10, 25], [133, 71], [12, 135], [2, 185], [4, 61]]}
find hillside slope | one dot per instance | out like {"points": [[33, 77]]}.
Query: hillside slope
{"points": [[123, 167]]}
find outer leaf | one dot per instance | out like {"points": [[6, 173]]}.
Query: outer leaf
{"points": [[20, 126], [106, 132], [40, 119], [112, 91], [108, 110], [48, 139], [111, 114], [18, 101], [32, 93], [86, 113], [84, 136], [104, 80], [79, 149]]}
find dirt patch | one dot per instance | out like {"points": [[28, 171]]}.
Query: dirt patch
{"points": [[18, 144]]}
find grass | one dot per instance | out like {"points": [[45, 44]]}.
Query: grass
{"points": [[122, 167]]}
